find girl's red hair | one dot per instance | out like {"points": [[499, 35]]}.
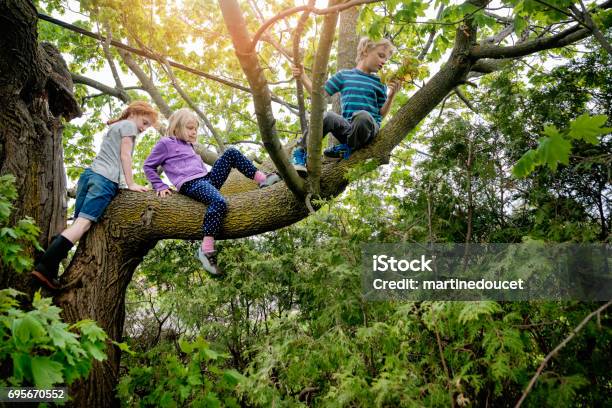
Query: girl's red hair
{"points": [[137, 108]]}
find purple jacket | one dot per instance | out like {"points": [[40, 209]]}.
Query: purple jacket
{"points": [[179, 161]]}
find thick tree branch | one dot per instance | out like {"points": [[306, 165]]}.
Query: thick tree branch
{"points": [[208, 156], [569, 36], [566, 37], [236, 25], [147, 84], [499, 37], [318, 97], [501, 19], [105, 89], [585, 16], [486, 66], [348, 39], [193, 106]]}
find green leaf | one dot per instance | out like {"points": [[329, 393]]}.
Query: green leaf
{"points": [[166, 401], [27, 329], [526, 164], [46, 372], [95, 350], [233, 377], [185, 346], [210, 354], [554, 149], [90, 329], [589, 128], [212, 400], [473, 310], [520, 23], [60, 336], [124, 347], [22, 366]]}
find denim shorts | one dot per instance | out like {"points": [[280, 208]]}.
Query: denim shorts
{"points": [[94, 194]]}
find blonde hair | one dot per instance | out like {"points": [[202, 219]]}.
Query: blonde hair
{"points": [[137, 108], [177, 122], [366, 45]]}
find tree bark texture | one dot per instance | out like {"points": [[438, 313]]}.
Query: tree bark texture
{"points": [[35, 94]]}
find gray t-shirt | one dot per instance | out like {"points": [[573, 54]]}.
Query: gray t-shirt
{"points": [[108, 161]]}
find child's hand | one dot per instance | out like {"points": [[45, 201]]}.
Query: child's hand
{"points": [[394, 86], [297, 71], [164, 193], [137, 187]]}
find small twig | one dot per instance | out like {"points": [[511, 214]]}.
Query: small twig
{"points": [[556, 350], [465, 99], [448, 379], [309, 204], [430, 39]]}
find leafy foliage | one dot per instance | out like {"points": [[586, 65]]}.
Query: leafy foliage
{"points": [[194, 377], [43, 350], [556, 147], [15, 238], [291, 316]]}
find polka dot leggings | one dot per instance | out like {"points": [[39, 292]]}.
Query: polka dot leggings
{"points": [[206, 189]]}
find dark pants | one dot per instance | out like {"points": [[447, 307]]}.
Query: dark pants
{"points": [[357, 133], [206, 189]]}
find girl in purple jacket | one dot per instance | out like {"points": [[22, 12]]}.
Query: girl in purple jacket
{"points": [[186, 171]]}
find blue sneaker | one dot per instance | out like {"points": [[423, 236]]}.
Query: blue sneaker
{"points": [[299, 159], [338, 151]]}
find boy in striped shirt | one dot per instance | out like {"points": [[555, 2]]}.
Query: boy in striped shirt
{"points": [[364, 100]]}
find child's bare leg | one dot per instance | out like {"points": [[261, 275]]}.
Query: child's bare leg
{"points": [[78, 228]]}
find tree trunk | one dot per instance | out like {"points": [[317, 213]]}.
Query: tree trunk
{"points": [[97, 280], [347, 46], [35, 93]]}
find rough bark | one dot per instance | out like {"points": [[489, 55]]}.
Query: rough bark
{"points": [[35, 93]]}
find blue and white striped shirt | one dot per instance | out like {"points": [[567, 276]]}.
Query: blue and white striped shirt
{"points": [[358, 91]]}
